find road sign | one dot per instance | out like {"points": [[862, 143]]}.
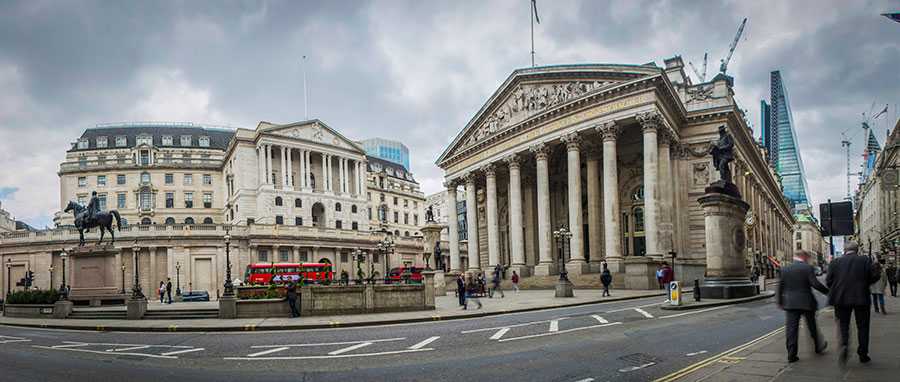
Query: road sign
{"points": [[674, 293]]}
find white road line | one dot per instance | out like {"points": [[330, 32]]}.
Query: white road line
{"points": [[11, 341], [585, 380], [104, 352], [331, 356], [644, 312], [694, 312], [350, 348], [130, 348], [600, 319], [183, 351], [633, 307], [696, 353], [633, 368], [511, 326], [499, 334], [326, 343], [554, 326], [423, 343], [559, 332], [70, 345], [270, 351]]}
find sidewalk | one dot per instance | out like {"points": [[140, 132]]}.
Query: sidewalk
{"points": [[765, 359], [446, 308]]}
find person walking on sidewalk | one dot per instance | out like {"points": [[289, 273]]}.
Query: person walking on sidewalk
{"points": [[796, 298], [292, 299], [666, 278], [891, 273], [162, 291], [659, 275], [515, 281], [605, 279], [169, 289], [848, 280], [496, 284], [877, 288], [472, 293], [461, 289]]}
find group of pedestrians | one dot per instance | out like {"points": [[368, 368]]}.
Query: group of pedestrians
{"points": [[165, 291], [853, 282]]}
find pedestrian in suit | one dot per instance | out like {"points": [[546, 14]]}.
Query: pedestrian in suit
{"points": [[891, 273], [292, 299], [606, 279], [848, 280], [169, 289], [461, 289], [796, 298]]}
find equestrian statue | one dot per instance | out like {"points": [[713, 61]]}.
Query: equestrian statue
{"points": [[91, 216]]}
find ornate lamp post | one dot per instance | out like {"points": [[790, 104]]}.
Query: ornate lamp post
{"points": [[359, 257], [229, 287], [177, 278], [50, 280], [123, 279], [136, 292], [563, 285], [63, 290], [385, 247], [8, 275]]}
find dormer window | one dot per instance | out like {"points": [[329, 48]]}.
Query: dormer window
{"points": [[167, 140], [121, 141], [145, 178], [101, 142], [185, 140], [83, 143], [145, 140], [204, 141]]}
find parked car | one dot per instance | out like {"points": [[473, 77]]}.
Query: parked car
{"points": [[196, 295]]}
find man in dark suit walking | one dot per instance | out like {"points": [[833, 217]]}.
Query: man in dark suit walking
{"points": [[795, 296], [848, 279]]}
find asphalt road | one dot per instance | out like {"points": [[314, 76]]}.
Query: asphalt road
{"points": [[622, 341]]}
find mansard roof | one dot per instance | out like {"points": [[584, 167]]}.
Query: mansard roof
{"points": [[389, 168], [218, 137]]}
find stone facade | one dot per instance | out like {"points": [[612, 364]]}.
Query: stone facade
{"points": [[878, 202], [615, 153]]}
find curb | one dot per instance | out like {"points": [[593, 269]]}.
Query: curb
{"points": [[333, 324], [700, 305]]}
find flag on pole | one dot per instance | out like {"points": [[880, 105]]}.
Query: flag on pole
{"points": [[893, 15], [534, 7]]}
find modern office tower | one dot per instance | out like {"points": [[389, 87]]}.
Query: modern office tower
{"points": [[780, 140], [392, 151]]}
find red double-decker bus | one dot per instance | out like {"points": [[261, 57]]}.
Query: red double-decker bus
{"points": [[265, 273]]}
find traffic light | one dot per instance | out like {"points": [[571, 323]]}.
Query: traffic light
{"points": [[29, 278]]}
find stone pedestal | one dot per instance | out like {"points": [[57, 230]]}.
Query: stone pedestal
{"points": [[228, 307], [545, 269], [135, 308], [440, 285], [62, 309], [564, 288], [725, 213], [640, 273]]}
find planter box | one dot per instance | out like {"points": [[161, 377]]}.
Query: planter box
{"points": [[28, 311]]}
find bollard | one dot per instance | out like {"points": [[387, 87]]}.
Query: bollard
{"points": [[696, 290]]}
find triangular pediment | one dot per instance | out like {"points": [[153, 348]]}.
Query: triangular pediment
{"points": [[533, 91], [313, 131]]}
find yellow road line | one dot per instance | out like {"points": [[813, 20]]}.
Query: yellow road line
{"points": [[726, 356]]}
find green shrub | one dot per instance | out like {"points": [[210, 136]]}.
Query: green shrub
{"points": [[33, 297]]}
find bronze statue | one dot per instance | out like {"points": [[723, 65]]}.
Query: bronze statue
{"points": [[429, 214], [91, 216], [722, 152]]}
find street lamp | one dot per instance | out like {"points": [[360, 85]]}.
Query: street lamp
{"points": [[562, 236], [63, 291], [50, 280], [385, 247], [229, 287], [359, 256], [177, 278], [8, 275], [136, 292], [123, 279]]}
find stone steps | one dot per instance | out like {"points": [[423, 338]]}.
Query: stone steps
{"points": [[98, 314], [182, 314]]}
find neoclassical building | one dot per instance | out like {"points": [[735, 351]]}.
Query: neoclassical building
{"points": [[617, 154]]}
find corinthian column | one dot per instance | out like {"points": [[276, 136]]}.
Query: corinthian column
{"points": [[545, 264], [453, 226], [268, 164], [492, 218], [612, 237], [516, 235], [594, 210], [576, 264], [650, 122], [666, 197], [472, 223]]}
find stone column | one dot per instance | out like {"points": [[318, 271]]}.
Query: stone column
{"points": [[612, 231], [576, 264], [284, 179], [594, 199], [453, 226], [516, 234], [341, 175], [261, 165], [151, 279], [472, 223], [290, 168], [324, 180], [545, 264], [666, 188], [493, 223], [650, 123], [119, 274], [268, 164]]}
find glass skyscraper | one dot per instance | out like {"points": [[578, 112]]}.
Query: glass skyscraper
{"points": [[391, 151], [780, 140]]}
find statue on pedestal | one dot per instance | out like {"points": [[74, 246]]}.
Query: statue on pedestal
{"points": [[429, 215], [722, 151], [91, 216]]}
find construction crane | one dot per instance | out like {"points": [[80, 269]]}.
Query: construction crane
{"points": [[724, 67], [700, 75]]}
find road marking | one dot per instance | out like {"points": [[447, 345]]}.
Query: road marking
{"points": [[706, 362], [633, 307], [11, 339], [644, 312], [560, 332], [499, 334], [183, 351], [130, 348], [423, 343], [585, 380], [694, 312], [270, 351], [70, 345], [350, 348], [511, 326], [554, 326], [696, 353], [104, 352], [633, 368], [331, 356], [327, 343], [600, 319]]}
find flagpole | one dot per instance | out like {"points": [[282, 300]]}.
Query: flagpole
{"points": [[532, 35], [305, 92]]}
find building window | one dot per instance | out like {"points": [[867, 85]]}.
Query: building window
{"points": [[395, 200], [338, 224], [145, 157], [146, 199], [207, 220], [82, 181], [121, 141], [405, 218], [189, 220], [146, 221], [188, 200], [279, 219], [406, 233], [170, 178], [396, 217], [83, 143], [799, 247], [799, 235], [415, 204], [120, 179], [82, 199], [353, 208], [101, 142], [170, 200], [298, 203], [251, 221], [207, 200], [120, 200], [203, 141], [337, 207], [167, 140], [144, 140], [185, 140], [101, 180], [298, 221], [304, 257], [381, 196], [405, 203], [207, 179], [278, 201], [170, 220], [101, 201], [284, 256], [397, 232], [145, 177], [263, 255], [354, 226], [82, 162], [188, 179], [370, 213], [369, 196]]}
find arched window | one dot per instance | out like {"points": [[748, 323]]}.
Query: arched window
{"points": [[189, 220], [397, 233], [337, 207], [353, 208], [207, 220], [406, 234], [278, 201], [170, 220], [298, 203], [146, 221]]}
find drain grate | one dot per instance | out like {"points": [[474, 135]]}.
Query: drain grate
{"points": [[639, 359]]}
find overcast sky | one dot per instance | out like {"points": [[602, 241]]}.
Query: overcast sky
{"points": [[413, 71]]}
